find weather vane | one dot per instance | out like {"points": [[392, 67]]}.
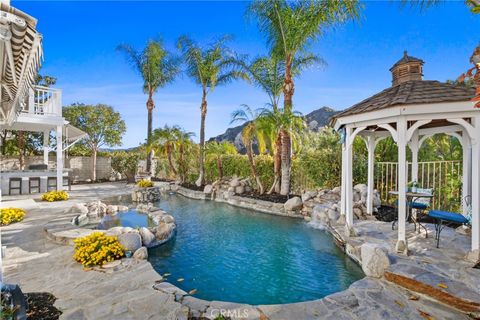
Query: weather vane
{"points": [[474, 75]]}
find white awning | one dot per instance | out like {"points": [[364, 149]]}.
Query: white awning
{"points": [[20, 56], [72, 133]]}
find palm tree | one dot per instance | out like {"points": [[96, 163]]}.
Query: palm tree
{"points": [[473, 5], [157, 67], [290, 27], [215, 150], [209, 67], [250, 132], [185, 146], [169, 140], [286, 127]]}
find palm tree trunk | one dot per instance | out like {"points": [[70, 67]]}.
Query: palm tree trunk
{"points": [[220, 167], [288, 86], [150, 107], [181, 164], [277, 160], [203, 109], [286, 165], [253, 167], [170, 161]]}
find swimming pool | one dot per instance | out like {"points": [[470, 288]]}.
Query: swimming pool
{"points": [[231, 254]]}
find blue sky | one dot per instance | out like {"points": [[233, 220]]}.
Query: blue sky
{"points": [[80, 40]]}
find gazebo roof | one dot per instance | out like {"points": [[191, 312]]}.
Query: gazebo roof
{"points": [[412, 92]]}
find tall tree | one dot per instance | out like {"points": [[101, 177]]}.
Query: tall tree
{"points": [[157, 67], [103, 125], [290, 28], [210, 66]]}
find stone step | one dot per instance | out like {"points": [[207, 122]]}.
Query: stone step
{"points": [[438, 287]]}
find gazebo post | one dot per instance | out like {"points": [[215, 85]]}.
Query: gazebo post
{"points": [[401, 246], [371, 169], [466, 168], [349, 182], [414, 148], [59, 158], [46, 136], [475, 141]]}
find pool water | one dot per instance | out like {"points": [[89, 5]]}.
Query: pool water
{"points": [[232, 254]]}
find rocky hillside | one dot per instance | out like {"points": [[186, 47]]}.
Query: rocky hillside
{"points": [[315, 121]]}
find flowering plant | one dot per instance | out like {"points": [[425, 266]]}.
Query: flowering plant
{"points": [[145, 183], [11, 215], [55, 196], [97, 249]]}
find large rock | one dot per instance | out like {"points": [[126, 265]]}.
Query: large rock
{"points": [[375, 260], [80, 208], [240, 190], [164, 230], [234, 183], [130, 241], [309, 195], [141, 254], [147, 236], [168, 219], [208, 189], [293, 204]]}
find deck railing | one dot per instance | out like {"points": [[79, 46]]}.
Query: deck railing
{"points": [[444, 177], [44, 101]]}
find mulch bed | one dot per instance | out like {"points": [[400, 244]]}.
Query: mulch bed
{"points": [[40, 306], [193, 186], [274, 197]]}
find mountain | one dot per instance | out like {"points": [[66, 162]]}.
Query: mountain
{"points": [[315, 121]]}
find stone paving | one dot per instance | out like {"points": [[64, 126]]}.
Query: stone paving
{"points": [[133, 290]]}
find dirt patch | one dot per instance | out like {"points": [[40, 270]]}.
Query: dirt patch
{"points": [[40, 306]]}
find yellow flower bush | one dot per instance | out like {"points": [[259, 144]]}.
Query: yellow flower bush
{"points": [[11, 215], [97, 249], [55, 196], [145, 183]]}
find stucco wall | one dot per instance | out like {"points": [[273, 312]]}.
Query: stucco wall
{"points": [[81, 166]]}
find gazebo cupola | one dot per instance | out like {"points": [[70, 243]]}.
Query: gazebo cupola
{"points": [[406, 69]]}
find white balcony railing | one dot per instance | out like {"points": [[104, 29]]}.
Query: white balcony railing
{"points": [[44, 101]]}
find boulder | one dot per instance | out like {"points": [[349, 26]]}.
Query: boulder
{"points": [[163, 230], [130, 241], [80, 220], [115, 231], [80, 208], [341, 219], [361, 188], [357, 212], [293, 204], [375, 260], [234, 183], [208, 189], [333, 215], [309, 195], [147, 236], [122, 208], [336, 190], [168, 219], [141, 254], [240, 190], [111, 209], [377, 201]]}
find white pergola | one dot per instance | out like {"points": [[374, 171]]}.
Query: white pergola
{"points": [[409, 124]]}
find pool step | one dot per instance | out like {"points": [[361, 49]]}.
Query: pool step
{"points": [[440, 288]]}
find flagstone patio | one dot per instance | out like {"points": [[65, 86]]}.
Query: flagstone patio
{"points": [[133, 290]]}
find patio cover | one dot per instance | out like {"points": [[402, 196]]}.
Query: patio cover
{"points": [[72, 135], [20, 57]]}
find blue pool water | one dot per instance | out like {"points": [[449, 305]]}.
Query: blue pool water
{"points": [[232, 254]]}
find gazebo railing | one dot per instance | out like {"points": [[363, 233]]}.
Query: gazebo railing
{"points": [[445, 177]]}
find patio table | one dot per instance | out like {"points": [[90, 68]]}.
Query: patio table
{"points": [[411, 197]]}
